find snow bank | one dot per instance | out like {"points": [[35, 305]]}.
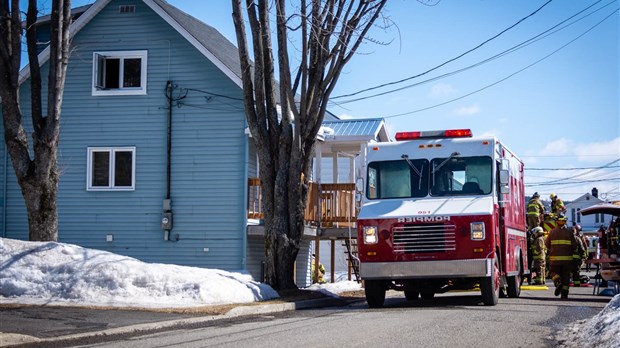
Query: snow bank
{"points": [[601, 331], [58, 273]]}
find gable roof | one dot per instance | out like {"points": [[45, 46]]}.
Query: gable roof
{"points": [[585, 198], [210, 42], [75, 14]]}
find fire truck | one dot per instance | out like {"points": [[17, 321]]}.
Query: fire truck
{"points": [[441, 211]]}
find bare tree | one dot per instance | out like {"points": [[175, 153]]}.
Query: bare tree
{"points": [[38, 176], [328, 32]]}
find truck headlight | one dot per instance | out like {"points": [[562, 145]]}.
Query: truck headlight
{"points": [[477, 230], [370, 235]]}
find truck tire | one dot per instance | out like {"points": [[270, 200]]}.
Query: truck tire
{"points": [[375, 293], [411, 295], [427, 295], [514, 282], [489, 286]]}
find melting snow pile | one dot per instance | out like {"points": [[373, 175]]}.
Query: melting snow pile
{"points": [[64, 274], [602, 330]]}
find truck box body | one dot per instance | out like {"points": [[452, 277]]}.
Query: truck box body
{"points": [[434, 217]]}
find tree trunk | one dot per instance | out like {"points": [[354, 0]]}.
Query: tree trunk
{"points": [[41, 207], [285, 152], [37, 177]]}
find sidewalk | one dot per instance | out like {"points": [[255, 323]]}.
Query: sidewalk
{"points": [[47, 326]]}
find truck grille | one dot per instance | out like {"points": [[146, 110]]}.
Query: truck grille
{"points": [[424, 238]]}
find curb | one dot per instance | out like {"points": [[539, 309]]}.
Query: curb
{"points": [[12, 339]]}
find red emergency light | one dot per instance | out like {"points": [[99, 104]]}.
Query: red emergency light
{"points": [[449, 133]]}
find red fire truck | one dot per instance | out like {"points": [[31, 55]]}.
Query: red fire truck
{"points": [[441, 210]]}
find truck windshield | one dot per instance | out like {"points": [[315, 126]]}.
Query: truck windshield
{"points": [[398, 179], [461, 176]]}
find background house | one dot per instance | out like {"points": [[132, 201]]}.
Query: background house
{"points": [[154, 155], [589, 223]]}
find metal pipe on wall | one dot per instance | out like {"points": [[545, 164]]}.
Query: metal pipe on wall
{"points": [[4, 193]]}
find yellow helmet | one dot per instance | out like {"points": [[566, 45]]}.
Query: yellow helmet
{"points": [[552, 196]]}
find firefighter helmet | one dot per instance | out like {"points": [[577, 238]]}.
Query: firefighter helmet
{"points": [[561, 220], [536, 195], [538, 231], [552, 196]]}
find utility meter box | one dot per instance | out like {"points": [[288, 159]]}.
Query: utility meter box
{"points": [[166, 220]]}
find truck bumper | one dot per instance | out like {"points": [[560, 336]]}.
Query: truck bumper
{"points": [[427, 269]]}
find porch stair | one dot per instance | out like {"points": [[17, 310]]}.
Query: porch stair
{"points": [[354, 261]]}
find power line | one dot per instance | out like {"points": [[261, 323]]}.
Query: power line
{"points": [[610, 174], [449, 60], [519, 46], [575, 168], [505, 78], [565, 181], [571, 183], [554, 156], [582, 174], [212, 94]]}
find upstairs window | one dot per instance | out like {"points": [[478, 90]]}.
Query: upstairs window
{"points": [[111, 169], [119, 73]]}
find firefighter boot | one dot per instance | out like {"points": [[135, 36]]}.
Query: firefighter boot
{"points": [[558, 285], [564, 294]]}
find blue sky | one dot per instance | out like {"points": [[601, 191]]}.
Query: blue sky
{"points": [[555, 102]]}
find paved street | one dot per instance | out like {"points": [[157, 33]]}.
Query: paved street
{"points": [[455, 319], [450, 320]]}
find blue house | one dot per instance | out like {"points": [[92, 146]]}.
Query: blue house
{"points": [[156, 161]]}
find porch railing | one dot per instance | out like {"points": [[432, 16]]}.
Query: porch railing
{"points": [[333, 205]]}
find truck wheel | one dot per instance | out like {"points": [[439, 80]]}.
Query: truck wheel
{"points": [[411, 295], [489, 286], [427, 295], [375, 293], [514, 283]]}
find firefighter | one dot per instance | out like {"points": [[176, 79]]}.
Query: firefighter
{"points": [[535, 212], [561, 244], [318, 276], [557, 206], [578, 255], [539, 252]]}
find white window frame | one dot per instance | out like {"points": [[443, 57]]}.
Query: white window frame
{"points": [[122, 55], [111, 186]]}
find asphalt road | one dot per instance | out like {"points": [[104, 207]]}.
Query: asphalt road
{"points": [[448, 320]]}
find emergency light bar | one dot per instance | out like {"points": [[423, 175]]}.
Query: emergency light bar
{"points": [[438, 134]]}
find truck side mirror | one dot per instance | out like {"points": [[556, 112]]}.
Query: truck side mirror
{"points": [[504, 177], [359, 188], [359, 185], [504, 181]]}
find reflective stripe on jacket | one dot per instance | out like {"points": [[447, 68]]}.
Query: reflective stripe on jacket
{"points": [[534, 207], [538, 249], [557, 206], [561, 245]]}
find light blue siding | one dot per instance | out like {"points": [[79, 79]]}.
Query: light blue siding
{"points": [[4, 167], [208, 150], [256, 255]]}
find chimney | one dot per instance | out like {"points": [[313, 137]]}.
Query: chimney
{"points": [[595, 192]]}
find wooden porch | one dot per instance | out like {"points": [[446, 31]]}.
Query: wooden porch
{"points": [[331, 214], [330, 206]]}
